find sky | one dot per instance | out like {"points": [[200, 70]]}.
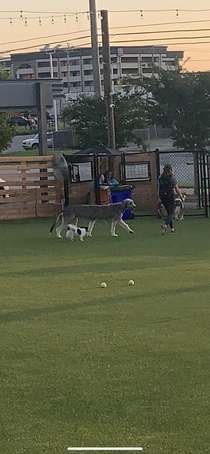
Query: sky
{"points": [[186, 20]]}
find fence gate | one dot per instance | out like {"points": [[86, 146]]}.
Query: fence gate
{"points": [[192, 171]]}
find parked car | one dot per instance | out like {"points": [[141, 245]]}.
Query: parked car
{"points": [[34, 142], [49, 117], [20, 121]]}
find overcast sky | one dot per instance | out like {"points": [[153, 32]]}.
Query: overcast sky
{"points": [[197, 55]]}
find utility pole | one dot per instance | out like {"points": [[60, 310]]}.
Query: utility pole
{"points": [[68, 68], [107, 79], [50, 53], [42, 129], [95, 51]]}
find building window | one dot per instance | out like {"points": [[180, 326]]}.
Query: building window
{"points": [[88, 72], [115, 71], [74, 62], [24, 66], [43, 64], [87, 61], [147, 70], [44, 75], [64, 74], [146, 59], [63, 63], [87, 83], [75, 84], [81, 172], [74, 73], [46, 64], [129, 59], [137, 171], [113, 59], [130, 70]]}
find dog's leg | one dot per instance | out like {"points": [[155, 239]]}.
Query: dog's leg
{"points": [[59, 230], [90, 228], [113, 226], [125, 226]]}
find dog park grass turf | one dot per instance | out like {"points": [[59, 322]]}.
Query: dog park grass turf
{"points": [[118, 366]]}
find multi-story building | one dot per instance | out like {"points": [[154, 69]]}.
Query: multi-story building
{"points": [[75, 66]]}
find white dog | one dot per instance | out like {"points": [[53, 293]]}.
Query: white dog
{"points": [[73, 231], [179, 208]]}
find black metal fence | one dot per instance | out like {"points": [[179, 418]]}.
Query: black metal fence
{"points": [[192, 171]]}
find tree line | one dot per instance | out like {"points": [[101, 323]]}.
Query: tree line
{"points": [[173, 99]]}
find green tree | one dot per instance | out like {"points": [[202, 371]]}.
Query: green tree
{"points": [[180, 101], [4, 75], [88, 118], [6, 132]]}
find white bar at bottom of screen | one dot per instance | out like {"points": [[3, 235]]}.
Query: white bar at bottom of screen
{"points": [[105, 449]]}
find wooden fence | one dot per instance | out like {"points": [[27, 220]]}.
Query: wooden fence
{"points": [[31, 188]]}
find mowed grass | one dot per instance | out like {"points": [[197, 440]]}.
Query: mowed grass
{"points": [[121, 366]]}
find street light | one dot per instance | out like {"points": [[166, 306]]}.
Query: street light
{"points": [[50, 52]]}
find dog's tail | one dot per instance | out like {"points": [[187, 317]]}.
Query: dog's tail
{"points": [[55, 221]]}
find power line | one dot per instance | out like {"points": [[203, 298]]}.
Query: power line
{"points": [[43, 44], [43, 37], [161, 23], [117, 34], [163, 31], [157, 39], [111, 11]]}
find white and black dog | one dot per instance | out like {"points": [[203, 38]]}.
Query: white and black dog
{"points": [[179, 208], [73, 231]]}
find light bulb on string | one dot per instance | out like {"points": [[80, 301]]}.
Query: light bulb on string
{"points": [[40, 21], [142, 16], [26, 22], [177, 14], [77, 18], [52, 21], [99, 15], [21, 15], [64, 19], [10, 21]]}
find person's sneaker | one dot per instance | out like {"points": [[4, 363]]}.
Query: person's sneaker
{"points": [[163, 229], [173, 230]]}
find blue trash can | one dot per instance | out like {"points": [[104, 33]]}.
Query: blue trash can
{"points": [[119, 196]]}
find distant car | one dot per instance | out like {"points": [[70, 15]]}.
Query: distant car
{"points": [[49, 117], [20, 121], [28, 144]]}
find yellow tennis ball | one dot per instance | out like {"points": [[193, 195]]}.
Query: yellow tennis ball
{"points": [[103, 285], [131, 282]]}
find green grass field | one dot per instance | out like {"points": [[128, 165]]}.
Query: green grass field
{"points": [[121, 366]]}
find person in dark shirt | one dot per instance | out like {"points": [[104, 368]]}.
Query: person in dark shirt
{"points": [[167, 184]]}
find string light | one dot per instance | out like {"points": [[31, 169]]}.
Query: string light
{"points": [[177, 13], [52, 20], [64, 19], [40, 21], [10, 21], [21, 15], [77, 18], [26, 22], [142, 16]]}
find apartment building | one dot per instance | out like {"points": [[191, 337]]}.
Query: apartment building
{"points": [[75, 67]]}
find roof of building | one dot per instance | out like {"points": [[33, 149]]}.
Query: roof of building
{"points": [[99, 150]]}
